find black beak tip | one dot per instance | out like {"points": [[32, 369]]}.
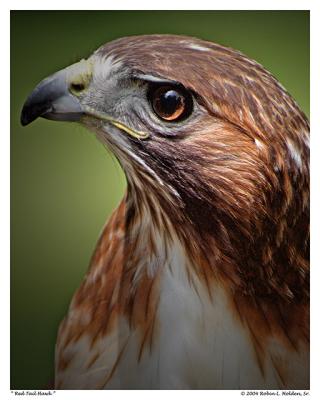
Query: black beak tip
{"points": [[24, 117], [32, 110]]}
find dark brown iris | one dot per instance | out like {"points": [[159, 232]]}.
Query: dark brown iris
{"points": [[168, 103]]}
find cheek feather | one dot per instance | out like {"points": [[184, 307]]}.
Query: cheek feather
{"points": [[295, 154]]}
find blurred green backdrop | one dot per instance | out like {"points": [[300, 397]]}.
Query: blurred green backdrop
{"points": [[64, 184]]}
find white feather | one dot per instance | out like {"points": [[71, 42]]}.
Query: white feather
{"points": [[199, 344]]}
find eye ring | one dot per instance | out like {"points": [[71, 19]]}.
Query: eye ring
{"points": [[170, 103]]}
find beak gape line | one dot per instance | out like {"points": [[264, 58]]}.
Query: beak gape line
{"points": [[51, 99], [104, 117]]}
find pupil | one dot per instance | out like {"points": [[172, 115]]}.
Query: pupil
{"points": [[169, 102]]}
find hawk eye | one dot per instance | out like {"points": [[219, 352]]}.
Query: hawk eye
{"points": [[171, 103]]}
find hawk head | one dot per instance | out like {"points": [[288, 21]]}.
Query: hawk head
{"points": [[211, 145]]}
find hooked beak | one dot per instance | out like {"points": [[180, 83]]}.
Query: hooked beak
{"points": [[52, 99]]}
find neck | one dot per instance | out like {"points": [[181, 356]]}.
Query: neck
{"points": [[264, 273], [147, 274]]}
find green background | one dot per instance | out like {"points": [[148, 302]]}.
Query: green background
{"points": [[64, 184]]}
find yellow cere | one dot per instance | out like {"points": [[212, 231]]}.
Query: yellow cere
{"points": [[79, 74]]}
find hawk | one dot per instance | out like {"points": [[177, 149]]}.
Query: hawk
{"points": [[200, 279]]}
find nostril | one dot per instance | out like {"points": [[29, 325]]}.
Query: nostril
{"points": [[77, 87]]}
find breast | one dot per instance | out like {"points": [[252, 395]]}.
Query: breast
{"points": [[195, 341], [201, 344]]}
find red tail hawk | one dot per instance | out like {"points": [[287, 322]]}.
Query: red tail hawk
{"points": [[200, 278]]}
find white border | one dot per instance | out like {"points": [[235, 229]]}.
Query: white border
{"points": [[163, 5], [5, 176]]}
